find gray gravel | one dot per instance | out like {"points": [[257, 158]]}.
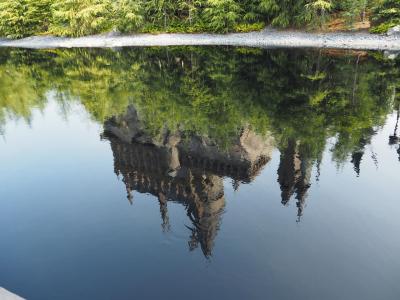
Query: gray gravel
{"points": [[265, 39]]}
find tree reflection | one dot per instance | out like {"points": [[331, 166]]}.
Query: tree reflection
{"points": [[179, 120], [394, 139]]}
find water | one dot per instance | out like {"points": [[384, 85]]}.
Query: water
{"points": [[218, 173]]}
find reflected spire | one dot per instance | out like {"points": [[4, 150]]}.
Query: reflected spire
{"points": [[162, 200]]}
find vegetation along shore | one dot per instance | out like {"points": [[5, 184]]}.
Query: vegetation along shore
{"points": [[74, 18]]}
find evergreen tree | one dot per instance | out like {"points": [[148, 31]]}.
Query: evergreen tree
{"points": [[19, 18], [284, 13], [353, 10], [386, 14], [222, 15], [128, 14], [316, 12], [191, 10], [160, 12], [12, 18], [81, 17]]}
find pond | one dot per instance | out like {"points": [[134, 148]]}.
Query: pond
{"points": [[201, 173]]}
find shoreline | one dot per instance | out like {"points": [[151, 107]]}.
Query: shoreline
{"points": [[263, 39]]}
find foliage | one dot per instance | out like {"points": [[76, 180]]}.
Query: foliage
{"points": [[353, 10], [316, 12], [222, 14], [386, 15], [20, 18], [128, 14], [80, 17], [213, 92]]}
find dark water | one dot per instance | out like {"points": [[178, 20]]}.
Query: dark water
{"points": [[199, 173]]}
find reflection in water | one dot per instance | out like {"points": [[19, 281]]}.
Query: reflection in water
{"points": [[184, 169], [179, 120], [394, 139], [189, 169], [179, 125], [294, 175]]}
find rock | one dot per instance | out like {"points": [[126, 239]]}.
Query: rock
{"points": [[7, 295], [391, 54], [394, 31], [113, 33]]}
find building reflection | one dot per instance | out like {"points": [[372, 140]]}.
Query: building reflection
{"points": [[184, 169], [189, 169]]}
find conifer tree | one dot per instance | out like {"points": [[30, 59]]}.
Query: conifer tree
{"points": [[12, 18], [222, 15], [190, 9], [128, 15], [160, 12], [19, 18], [353, 10], [284, 13], [386, 14], [316, 12], [81, 17]]}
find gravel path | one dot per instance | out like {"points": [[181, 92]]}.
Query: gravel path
{"points": [[265, 39]]}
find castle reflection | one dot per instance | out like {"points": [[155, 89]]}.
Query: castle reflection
{"points": [[184, 169], [189, 169]]}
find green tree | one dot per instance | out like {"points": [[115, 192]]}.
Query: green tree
{"points": [[316, 12], [222, 15], [353, 10], [128, 14], [81, 17], [19, 18], [386, 14], [160, 12]]}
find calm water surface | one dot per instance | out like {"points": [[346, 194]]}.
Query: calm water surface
{"points": [[199, 173]]}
